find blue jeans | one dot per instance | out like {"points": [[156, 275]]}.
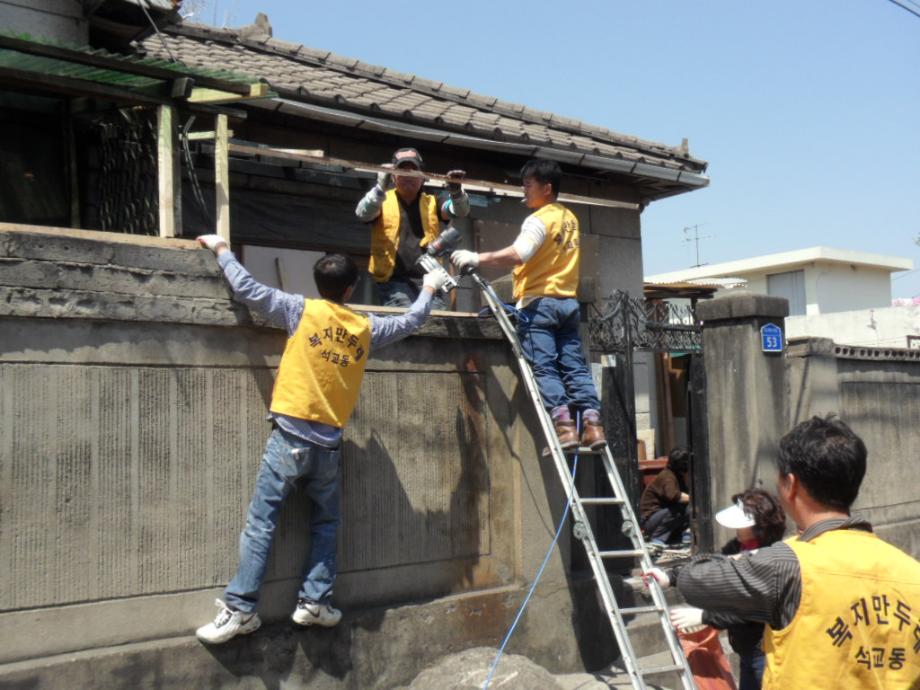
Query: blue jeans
{"points": [[666, 525], [288, 459], [548, 329], [751, 671], [398, 293]]}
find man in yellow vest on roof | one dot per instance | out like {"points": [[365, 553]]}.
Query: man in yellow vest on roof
{"points": [[404, 220], [315, 392], [841, 606], [545, 257]]}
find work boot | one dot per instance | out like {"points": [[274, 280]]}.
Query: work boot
{"points": [[592, 435], [309, 613], [227, 625], [567, 433]]}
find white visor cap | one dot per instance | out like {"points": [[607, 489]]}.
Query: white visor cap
{"points": [[734, 517]]}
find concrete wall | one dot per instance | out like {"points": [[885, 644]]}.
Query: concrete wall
{"points": [[876, 392], [883, 327], [132, 402], [58, 20], [753, 398]]}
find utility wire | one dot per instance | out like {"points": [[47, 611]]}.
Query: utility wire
{"points": [[906, 8], [143, 4]]}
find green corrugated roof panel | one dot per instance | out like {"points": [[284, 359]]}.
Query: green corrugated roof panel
{"points": [[14, 55]]}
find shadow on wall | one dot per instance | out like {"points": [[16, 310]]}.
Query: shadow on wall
{"points": [[389, 526]]}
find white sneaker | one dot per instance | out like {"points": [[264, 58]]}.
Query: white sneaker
{"points": [[227, 625], [315, 614]]}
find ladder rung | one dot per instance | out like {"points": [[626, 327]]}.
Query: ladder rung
{"points": [[602, 501], [660, 669], [634, 610], [584, 450], [621, 554]]}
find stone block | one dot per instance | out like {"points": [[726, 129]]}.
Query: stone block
{"points": [[743, 307]]}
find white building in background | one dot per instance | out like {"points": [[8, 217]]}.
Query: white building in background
{"points": [[833, 293]]}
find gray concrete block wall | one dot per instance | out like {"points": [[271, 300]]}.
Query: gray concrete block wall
{"points": [[878, 394], [130, 439]]}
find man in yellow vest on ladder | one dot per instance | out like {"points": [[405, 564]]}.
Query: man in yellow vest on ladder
{"points": [[545, 257], [841, 606], [315, 392], [404, 220]]}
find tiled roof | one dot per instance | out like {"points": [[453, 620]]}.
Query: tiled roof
{"points": [[301, 73]]}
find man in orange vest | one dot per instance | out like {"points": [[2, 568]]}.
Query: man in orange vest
{"points": [[545, 257], [404, 220], [315, 392], [841, 606]]}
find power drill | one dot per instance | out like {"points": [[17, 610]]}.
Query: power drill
{"points": [[442, 245]]}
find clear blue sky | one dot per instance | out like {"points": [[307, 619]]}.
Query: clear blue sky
{"points": [[808, 112]]}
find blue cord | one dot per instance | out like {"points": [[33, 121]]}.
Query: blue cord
{"points": [[533, 587]]}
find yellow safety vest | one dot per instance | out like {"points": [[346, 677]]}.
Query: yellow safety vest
{"points": [[553, 270], [320, 373], [858, 623], [385, 233]]}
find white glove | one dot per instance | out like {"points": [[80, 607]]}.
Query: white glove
{"points": [[464, 259], [212, 242], [385, 179], [657, 574], [687, 619], [435, 279]]}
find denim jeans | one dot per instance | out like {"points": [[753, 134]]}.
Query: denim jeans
{"points": [[667, 524], [548, 329], [288, 459], [751, 670], [398, 293]]}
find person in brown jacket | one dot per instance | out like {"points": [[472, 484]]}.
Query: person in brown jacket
{"points": [[664, 506]]}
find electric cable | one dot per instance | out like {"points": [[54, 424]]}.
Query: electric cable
{"points": [[905, 8], [533, 586]]}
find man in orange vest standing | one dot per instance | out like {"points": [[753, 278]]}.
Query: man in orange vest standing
{"points": [[841, 606], [404, 220], [315, 392], [545, 257]]}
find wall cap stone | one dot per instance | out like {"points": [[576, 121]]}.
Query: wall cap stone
{"points": [[810, 347], [743, 307]]}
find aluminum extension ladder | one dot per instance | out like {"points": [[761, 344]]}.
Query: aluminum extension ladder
{"points": [[582, 528]]}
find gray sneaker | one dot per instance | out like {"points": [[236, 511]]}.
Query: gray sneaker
{"points": [[308, 613], [227, 625]]}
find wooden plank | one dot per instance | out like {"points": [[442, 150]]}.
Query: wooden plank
{"points": [[101, 236], [472, 185], [222, 177], [168, 176]]}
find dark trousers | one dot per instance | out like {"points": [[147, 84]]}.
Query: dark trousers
{"points": [[751, 668], [667, 524]]}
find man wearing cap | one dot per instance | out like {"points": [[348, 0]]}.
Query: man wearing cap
{"points": [[405, 219], [841, 606]]}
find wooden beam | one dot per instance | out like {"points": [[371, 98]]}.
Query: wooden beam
{"points": [[168, 175], [102, 236], [496, 188], [205, 136], [222, 177]]}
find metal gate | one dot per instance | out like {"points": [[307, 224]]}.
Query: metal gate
{"points": [[620, 326]]}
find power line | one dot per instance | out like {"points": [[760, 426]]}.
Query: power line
{"points": [[905, 8]]}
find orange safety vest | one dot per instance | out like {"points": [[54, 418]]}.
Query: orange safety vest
{"points": [[385, 233], [858, 622], [553, 270], [320, 374]]}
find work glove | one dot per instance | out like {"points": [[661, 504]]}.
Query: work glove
{"points": [[657, 574], [687, 619], [465, 260], [212, 242], [385, 180], [435, 279], [455, 181]]}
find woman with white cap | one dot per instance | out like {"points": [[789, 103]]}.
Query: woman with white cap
{"points": [[758, 520]]}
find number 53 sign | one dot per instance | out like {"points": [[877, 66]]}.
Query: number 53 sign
{"points": [[771, 338]]}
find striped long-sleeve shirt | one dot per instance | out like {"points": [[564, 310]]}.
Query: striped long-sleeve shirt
{"points": [[764, 586]]}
